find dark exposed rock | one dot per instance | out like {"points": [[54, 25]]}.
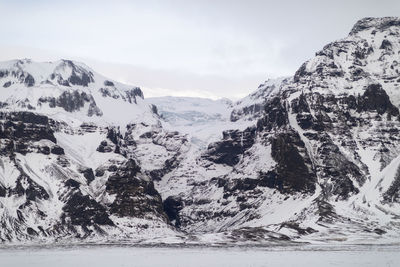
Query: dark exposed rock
{"points": [[79, 75], [73, 101], [88, 174], [169, 165], [7, 84], [133, 93], [99, 172], [300, 105], [3, 191], [4, 73], [3, 104], [44, 150], [114, 135], [233, 145], [25, 126], [134, 196], [275, 115], [375, 23], [376, 99], [108, 83], [26, 186], [57, 150], [72, 183], [100, 149], [31, 232], [386, 45], [295, 226], [292, 172], [26, 117], [172, 205], [257, 234], [29, 81], [104, 147], [84, 211], [112, 168], [154, 109], [301, 72], [248, 110], [325, 211], [88, 127], [339, 169]]}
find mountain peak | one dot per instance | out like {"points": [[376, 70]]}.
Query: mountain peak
{"points": [[376, 23], [56, 87]]}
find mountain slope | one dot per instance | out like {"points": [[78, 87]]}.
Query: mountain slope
{"points": [[313, 157], [321, 163], [74, 160]]}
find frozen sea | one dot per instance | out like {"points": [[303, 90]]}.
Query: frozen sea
{"points": [[113, 256]]}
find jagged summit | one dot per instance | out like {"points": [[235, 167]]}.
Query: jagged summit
{"points": [[376, 24], [63, 86], [62, 72]]}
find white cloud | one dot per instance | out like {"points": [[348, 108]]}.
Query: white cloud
{"points": [[218, 48]]}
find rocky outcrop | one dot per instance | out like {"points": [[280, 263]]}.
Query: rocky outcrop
{"points": [[73, 101], [134, 196], [79, 75], [313, 155], [232, 146], [379, 24], [376, 99], [293, 171], [84, 211]]}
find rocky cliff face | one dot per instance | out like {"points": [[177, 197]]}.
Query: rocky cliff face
{"points": [[313, 157], [322, 154], [68, 169]]}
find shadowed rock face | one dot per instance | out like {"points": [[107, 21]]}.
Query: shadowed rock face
{"points": [[317, 133], [135, 197], [376, 99], [254, 110], [275, 115], [23, 133], [133, 93], [22, 127], [73, 101], [172, 205], [29, 80], [84, 211], [292, 173], [233, 145], [79, 75]]}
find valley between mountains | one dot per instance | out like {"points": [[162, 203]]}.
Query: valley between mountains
{"points": [[314, 157]]}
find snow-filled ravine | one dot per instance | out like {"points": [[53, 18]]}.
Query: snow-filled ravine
{"points": [[100, 256]]}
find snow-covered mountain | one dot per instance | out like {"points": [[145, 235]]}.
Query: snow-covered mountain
{"points": [[322, 161], [204, 120], [313, 157], [75, 158]]}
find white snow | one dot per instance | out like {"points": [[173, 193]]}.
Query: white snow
{"points": [[312, 256]]}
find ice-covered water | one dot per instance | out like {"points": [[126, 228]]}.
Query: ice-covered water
{"points": [[99, 256]]}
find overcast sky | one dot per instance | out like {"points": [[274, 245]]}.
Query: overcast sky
{"points": [[192, 48]]}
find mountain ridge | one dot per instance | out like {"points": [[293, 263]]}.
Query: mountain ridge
{"points": [[308, 158]]}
